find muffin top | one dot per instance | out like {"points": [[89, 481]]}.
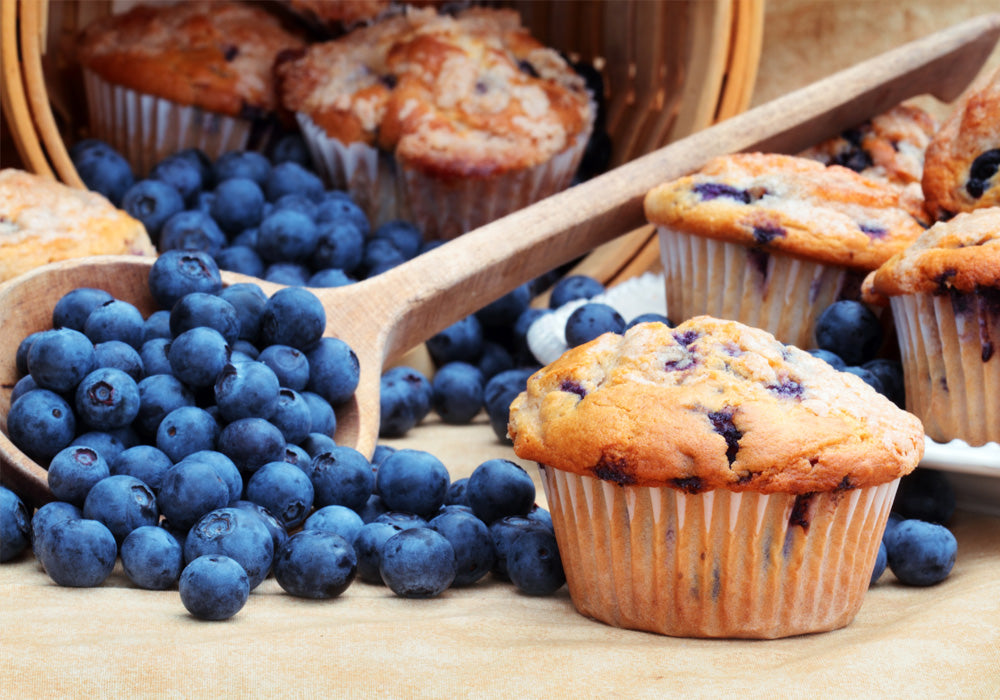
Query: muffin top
{"points": [[469, 95], [962, 166], [962, 255], [711, 404], [42, 221], [793, 205], [218, 56]]}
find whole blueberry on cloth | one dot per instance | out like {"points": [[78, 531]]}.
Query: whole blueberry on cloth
{"points": [[78, 552], [107, 398], [103, 169], [461, 341], [315, 564], [413, 481], [574, 287], [43, 520], [418, 563], [115, 320], [283, 489], [15, 525], [920, 553], [458, 392], [58, 359], [368, 544], [405, 398], [294, 317], [175, 273], [337, 519], [499, 487], [278, 532], [152, 558], [246, 390], [108, 443], [533, 562], [251, 443], [73, 471], [190, 489], [503, 531], [214, 587], [191, 229], [334, 370], [850, 330], [74, 306], [323, 420], [152, 202], [186, 430], [471, 541], [122, 503], [341, 476], [591, 320], [236, 533], [500, 391], [224, 467]]}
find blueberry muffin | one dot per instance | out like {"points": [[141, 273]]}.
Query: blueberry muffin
{"points": [[160, 78], [962, 167], [771, 240], [710, 481], [449, 121], [44, 221], [945, 295]]}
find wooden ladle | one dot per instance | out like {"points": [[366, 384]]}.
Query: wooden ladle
{"points": [[384, 316]]}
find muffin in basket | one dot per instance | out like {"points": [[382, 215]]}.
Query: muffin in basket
{"points": [[771, 240], [709, 481], [161, 78], [44, 221], [945, 295], [962, 167], [448, 121]]}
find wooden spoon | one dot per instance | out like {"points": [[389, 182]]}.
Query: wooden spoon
{"points": [[386, 315]]}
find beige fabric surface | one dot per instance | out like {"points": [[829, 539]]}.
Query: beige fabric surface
{"points": [[486, 641]]}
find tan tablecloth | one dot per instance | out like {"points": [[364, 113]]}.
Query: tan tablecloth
{"points": [[488, 640]]}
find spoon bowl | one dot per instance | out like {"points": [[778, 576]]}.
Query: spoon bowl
{"points": [[386, 315]]}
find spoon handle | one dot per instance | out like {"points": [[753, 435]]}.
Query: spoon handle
{"points": [[423, 296]]}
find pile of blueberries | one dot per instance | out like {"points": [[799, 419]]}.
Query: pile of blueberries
{"points": [[194, 444]]}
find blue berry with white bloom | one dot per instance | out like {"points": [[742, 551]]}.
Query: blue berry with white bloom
{"points": [[214, 587], [152, 558], [920, 553], [315, 564], [78, 552], [418, 563], [235, 533]]}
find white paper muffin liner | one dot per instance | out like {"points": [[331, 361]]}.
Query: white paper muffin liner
{"points": [[718, 563], [145, 129], [951, 365], [777, 293]]}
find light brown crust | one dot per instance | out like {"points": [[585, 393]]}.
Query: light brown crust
{"points": [[43, 221], [711, 404], [961, 255], [218, 56], [973, 128], [467, 96], [791, 204]]}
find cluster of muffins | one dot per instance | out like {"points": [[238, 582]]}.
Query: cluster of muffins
{"points": [[449, 120]]}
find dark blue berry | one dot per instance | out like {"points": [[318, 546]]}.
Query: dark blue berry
{"points": [[850, 330], [334, 370], [494, 359], [118, 355], [78, 552], [122, 503], [315, 564], [177, 272], [890, 376], [292, 416], [500, 391], [573, 287], [462, 341], [830, 358], [286, 235], [251, 443], [289, 147], [235, 533], [418, 563], [498, 488], [214, 587], [288, 273], [339, 520], [293, 317], [503, 531], [278, 532], [152, 558], [184, 173], [15, 525], [342, 476], [289, 365], [224, 468], [147, 463], [246, 390], [201, 309], [59, 359], [403, 235], [186, 430], [340, 244], [198, 356], [470, 539], [40, 423], [289, 177], [458, 392], [283, 489], [330, 278], [192, 230], [107, 398], [159, 394], [338, 206], [152, 202], [505, 311], [241, 164], [533, 562], [406, 397], [650, 317], [323, 420], [881, 561], [156, 325], [592, 320], [317, 443], [413, 481], [920, 553], [73, 308], [190, 489], [115, 320], [242, 259], [368, 544], [869, 377], [104, 170]]}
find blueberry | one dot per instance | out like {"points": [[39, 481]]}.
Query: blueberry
{"points": [[247, 237], [574, 287], [462, 341], [156, 325], [368, 544], [881, 561], [925, 494], [283, 489], [177, 272], [288, 273], [286, 235], [153, 354], [40, 423], [22, 387], [505, 311], [323, 420], [246, 390], [104, 170], [122, 503], [341, 476], [15, 525], [297, 455], [289, 177], [413, 481], [401, 519], [334, 371], [190, 489], [236, 533], [499, 487], [297, 202], [539, 515], [122, 356], [289, 365], [43, 520], [145, 462], [200, 160], [504, 531], [58, 359], [198, 356], [107, 398], [470, 539], [869, 377], [340, 520], [458, 493], [224, 468], [494, 359], [406, 397], [458, 392], [330, 278], [650, 317], [380, 255], [592, 320], [850, 330], [115, 320], [241, 164], [890, 376], [202, 309], [192, 230], [293, 317], [242, 259], [214, 587], [830, 358], [159, 394], [186, 430], [315, 564], [920, 553], [373, 508], [289, 147], [72, 309], [278, 532], [184, 173], [248, 300], [533, 563], [78, 552], [500, 391], [317, 443], [340, 244], [403, 235], [152, 202], [292, 416], [338, 206], [418, 563], [251, 443], [152, 558], [108, 443]]}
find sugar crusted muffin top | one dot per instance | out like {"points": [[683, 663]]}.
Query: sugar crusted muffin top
{"points": [[711, 404], [469, 95], [791, 204], [218, 56], [961, 255], [962, 166]]}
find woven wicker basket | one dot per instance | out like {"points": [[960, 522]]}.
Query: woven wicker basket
{"points": [[670, 68]]}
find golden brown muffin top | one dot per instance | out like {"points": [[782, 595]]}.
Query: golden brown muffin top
{"points": [[962, 254], [790, 204], [469, 95], [218, 56], [711, 404], [962, 162]]}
